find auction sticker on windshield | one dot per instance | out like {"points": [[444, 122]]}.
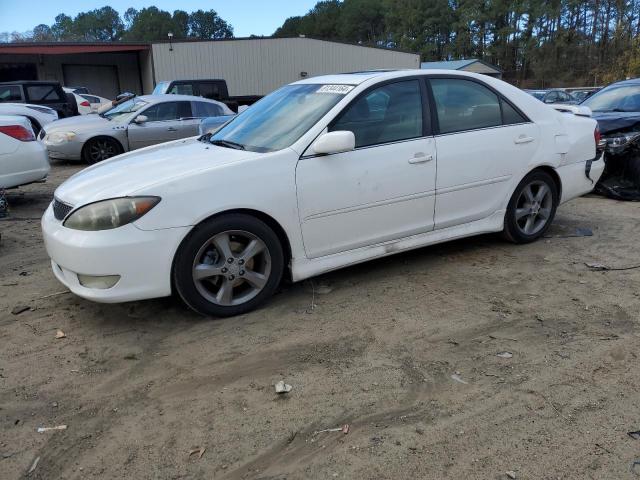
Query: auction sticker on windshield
{"points": [[339, 89]]}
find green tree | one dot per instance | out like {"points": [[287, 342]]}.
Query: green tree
{"points": [[208, 25], [101, 25]]}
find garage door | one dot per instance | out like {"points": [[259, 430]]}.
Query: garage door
{"points": [[101, 80]]}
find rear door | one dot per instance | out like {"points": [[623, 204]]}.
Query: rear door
{"points": [[483, 141], [163, 124]]}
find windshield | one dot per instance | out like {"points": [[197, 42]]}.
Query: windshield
{"points": [[624, 98], [160, 88], [281, 118], [125, 110]]}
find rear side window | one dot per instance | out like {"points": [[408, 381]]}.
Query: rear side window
{"points": [[182, 89], [168, 111], [510, 115], [10, 93], [210, 90], [43, 93], [91, 98], [386, 114], [465, 105], [204, 109]]}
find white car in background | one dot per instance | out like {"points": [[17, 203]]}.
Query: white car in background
{"points": [[95, 101], [38, 115], [22, 159], [321, 174], [84, 106]]}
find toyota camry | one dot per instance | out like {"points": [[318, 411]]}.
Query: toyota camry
{"points": [[323, 173]]}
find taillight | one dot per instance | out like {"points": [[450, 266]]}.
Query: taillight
{"points": [[18, 132], [85, 104], [597, 135]]}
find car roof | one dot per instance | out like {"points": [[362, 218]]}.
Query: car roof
{"points": [[171, 97], [631, 81], [358, 78]]}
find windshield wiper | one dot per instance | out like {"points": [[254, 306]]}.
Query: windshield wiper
{"points": [[228, 144]]}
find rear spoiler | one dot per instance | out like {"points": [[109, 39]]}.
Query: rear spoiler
{"points": [[575, 109]]}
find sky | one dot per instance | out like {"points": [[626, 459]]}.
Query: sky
{"points": [[258, 17]]}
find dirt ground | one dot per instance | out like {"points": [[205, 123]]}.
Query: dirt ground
{"points": [[141, 385]]}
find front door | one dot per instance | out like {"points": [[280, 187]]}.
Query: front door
{"points": [[482, 142], [163, 124], [381, 191]]}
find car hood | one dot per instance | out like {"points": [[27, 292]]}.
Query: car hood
{"points": [[610, 122], [82, 123], [135, 171]]}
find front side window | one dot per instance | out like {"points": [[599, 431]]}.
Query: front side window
{"points": [[386, 114], [168, 111], [43, 93], [552, 97], [10, 93], [281, 118], [465, 105]]}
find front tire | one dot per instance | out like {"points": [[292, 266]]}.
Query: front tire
{"points": [[228, 265], [99, 149], [532, 208]]}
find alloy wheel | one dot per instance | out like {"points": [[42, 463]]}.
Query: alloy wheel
{"points": [[100, 150], [231, 268], [534, 207]]}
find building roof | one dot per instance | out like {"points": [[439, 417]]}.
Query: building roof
{"points": [[60, 48], [456, 65]]}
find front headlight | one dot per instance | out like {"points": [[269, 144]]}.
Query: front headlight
{"points": [[109, 214], [58, 138], [621, 140]]}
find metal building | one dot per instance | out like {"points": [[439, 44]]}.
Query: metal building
{"points": [[252, 66]]}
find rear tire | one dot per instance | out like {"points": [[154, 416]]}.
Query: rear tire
{"points": [[228, 265], [532, 208]]}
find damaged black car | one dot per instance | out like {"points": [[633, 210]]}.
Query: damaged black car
{"points": [[617, 111]]}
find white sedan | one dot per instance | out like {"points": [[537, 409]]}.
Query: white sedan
{"points": [[323, 173], [22, 159], [39, 116]]}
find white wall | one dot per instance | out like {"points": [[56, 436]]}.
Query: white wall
{"points": [[259, 66]]}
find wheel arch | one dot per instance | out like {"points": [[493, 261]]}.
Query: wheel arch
{"points": [[266, 218], [554, 174]]}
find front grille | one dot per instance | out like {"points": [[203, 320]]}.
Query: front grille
{"points": [[60, 209]]}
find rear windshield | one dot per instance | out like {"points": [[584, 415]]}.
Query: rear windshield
{"points": [[43, 93]]}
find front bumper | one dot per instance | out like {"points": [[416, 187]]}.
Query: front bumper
{"points": [[142, 259], [65, 151]]}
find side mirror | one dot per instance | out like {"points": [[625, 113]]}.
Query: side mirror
{"points": [[335, 142], [141, 119]]}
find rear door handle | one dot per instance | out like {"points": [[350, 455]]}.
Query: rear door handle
{"points": [[172, 129], [420, 157], [523, 139]]}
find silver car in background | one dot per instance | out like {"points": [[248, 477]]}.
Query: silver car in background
{"points": [[136, 123]]}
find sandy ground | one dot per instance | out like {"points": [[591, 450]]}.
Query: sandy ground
{"points": [[141, 385]]}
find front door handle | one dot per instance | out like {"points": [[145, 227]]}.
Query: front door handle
{"points": [[420, 157], [172, 129], [523, 139]]}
